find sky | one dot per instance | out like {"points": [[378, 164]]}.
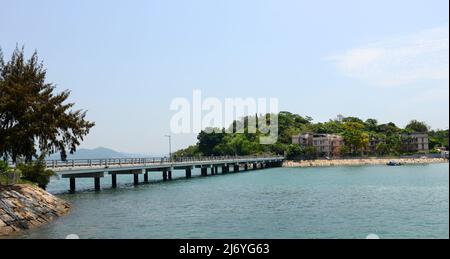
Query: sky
{"points": [[125, 61]]}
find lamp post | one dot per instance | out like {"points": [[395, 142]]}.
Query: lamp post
{"points": [[170, 146]]}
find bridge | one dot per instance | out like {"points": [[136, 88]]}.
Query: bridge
{"points": [[98, 168]]}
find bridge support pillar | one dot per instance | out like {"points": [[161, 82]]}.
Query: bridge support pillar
{"points": [[97, 183], [204, 171], [188, 173], [236, 168], [146, 177], [164, 175], [72, 185], [225, 169], [135, 179], [213, 170], [114, 180], [169, 174], [255, 166], [246, 167]]}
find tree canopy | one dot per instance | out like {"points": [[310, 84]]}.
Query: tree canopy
{"points": [[355, 138], [439, 138], [35, 120], [417, 126]]}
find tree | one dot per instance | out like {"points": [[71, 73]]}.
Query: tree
{"points": [[388, 129], [382, 149], [352, 119], [294, 152], [438, 138], [242, 146], [417, 126], [208, 139], [34, 120], [395, 143], [330, 127], [371, 125], [355, 138], [310, 152], [190, 151], [290, 124], [277, 148]]}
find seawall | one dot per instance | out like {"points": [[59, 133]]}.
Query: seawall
{"points": [[363, 161], [25, 207]]}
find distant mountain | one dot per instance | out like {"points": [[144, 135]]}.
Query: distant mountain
{"points": [[100, 152]]}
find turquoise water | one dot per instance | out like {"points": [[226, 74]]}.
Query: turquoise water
{"points": [[335, 202]]}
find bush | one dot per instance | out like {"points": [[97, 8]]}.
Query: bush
{"points": [[36, 172], [294, 152], [3, 167], [8, 175]]}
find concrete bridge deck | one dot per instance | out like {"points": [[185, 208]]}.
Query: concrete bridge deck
{"points": [[97, 168]]}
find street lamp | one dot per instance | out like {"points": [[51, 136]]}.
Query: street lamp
{"points": [[170, 146]]}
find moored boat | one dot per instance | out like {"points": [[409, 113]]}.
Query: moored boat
{"points": [[394, 163]]}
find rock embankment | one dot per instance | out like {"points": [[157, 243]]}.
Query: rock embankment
{"points": [[25, 207], [364, 161]]}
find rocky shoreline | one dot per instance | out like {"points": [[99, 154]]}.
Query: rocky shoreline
{"points": [[25, 207], [363, 161]]}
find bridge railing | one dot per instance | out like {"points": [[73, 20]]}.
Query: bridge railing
{"points": [[140, 161]]}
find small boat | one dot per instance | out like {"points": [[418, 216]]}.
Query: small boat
{"points": [[393, 163]]}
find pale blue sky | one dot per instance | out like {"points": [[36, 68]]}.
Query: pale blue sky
{"points": [[125, 61]]}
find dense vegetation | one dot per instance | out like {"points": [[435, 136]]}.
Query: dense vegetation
{"points": [[438, 138], [357, 135], [34, 120]]}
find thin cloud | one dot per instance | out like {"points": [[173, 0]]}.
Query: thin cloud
{"points": [[432, 95], [400, 60]]}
